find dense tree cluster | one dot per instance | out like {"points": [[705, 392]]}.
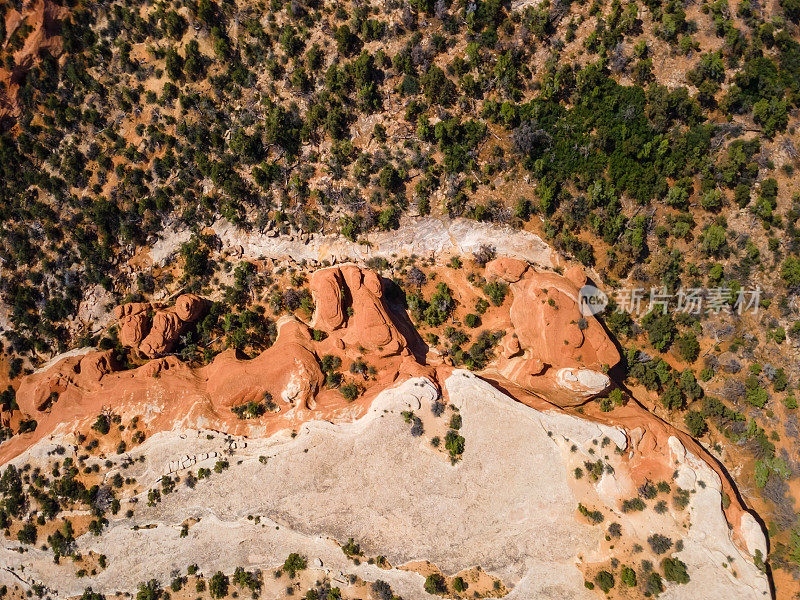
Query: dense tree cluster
{"points": [[95, 189]]}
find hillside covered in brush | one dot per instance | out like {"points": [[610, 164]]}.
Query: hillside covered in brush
{"points": [[653, 142]]}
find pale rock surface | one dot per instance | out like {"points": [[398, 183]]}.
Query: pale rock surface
{"points": [[584, 382], [506, 506], [74, 352], [753, 535], [708, 542], [416, 235], [373, 481], [95, 309]]}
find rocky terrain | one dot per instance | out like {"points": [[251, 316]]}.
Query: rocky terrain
{"points": [[312, 470], [515, 517], [230, 228]]}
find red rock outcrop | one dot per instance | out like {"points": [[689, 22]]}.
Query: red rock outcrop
{"points": [[508, 269], [166, 391], [288, 371], [551, 334], [189, 307], [163, 334], [338, 290], [156, 337], [134, 322], [352, 309], [40, 391], [327, 287]]}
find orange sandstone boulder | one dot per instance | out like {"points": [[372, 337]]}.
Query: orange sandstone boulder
{"points": [[553, 338], [370, 325], [546, 316], [288, 371], [576, 275], [163, 334], [38, 392], [133, 329], [511, 346], [134, 322], [157, 337], [326, 288], [128, 310], [508, 269], [94, 366], [189, 307]]}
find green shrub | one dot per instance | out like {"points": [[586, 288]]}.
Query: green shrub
{"points": [[351, 548], [628, 576], [754, 393], [654, 585], [660, 329], [688, 347], [246, 579], [713, 241], [454, 443], [659, 543], [605, 581], [496, 292], [27, 534], [102, 425], [440, 307], [674, 570], [595, 516], [436, 584], [635, 504], [695, 423], [218, 586], [149, 591], [294, 563], [472, 321], [251, 410], [350, 391], [790, 272]]}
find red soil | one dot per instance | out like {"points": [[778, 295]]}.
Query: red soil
{"points": [[43, 17]]}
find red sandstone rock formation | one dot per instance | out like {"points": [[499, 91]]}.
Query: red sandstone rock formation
{"points": [[339, 289], [40, 391], [352, 309], [156, 337], [189, 307], [166, 391], [550, 333], [134, 322], [288, 371]]}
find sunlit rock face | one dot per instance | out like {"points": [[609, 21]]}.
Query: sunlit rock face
{"points": [[551, 337]]}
